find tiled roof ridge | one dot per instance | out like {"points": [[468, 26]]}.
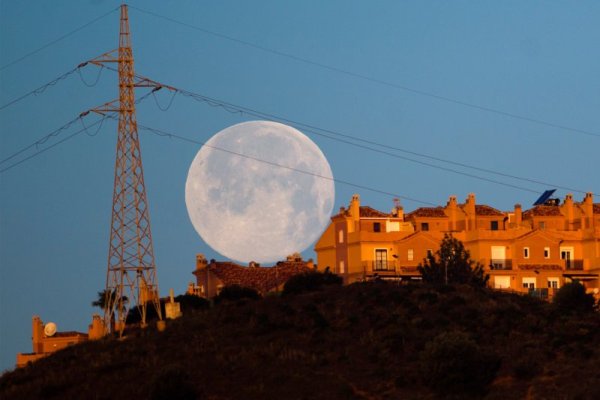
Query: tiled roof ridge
{"points": [[370, 212], [484, 209], [543, 211], [432, 212]]}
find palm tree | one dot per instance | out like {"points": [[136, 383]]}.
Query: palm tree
{"points": [[104, 301]]}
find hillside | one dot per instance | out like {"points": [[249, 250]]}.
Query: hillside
{"points": [[371, 341]]}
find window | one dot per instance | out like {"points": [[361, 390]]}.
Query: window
{"points": [[381, 259], [498, 257], [376, 227], [411, 254], [494, 225], [424, 226], [342, 267], [529, 283], [546, 252], [542, 225], [525, 252], [341, 236], [553, 283], [502, 282]]}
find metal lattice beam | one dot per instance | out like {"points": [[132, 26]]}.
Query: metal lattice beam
{"points": [[131, 272]]}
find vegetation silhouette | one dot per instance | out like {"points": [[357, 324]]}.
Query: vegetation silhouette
{"points": [[452, 263], [236, 293], [310, 282], [365, 340], [572, 297]]}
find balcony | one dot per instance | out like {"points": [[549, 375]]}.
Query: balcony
{"points": [[500, 264], [379, 266], [573, 265]]}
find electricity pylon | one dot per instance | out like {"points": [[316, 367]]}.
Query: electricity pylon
{"points": [[131, 273]]}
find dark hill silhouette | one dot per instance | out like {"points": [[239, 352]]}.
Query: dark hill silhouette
{"points": [[370, 341]]}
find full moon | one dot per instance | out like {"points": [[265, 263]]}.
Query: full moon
{"points": [[259, 191]]}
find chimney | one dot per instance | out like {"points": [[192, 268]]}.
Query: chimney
{"points": [[201, 261], [37, 333], [355, 207], [470, 211], [96, 329], [518, 215], [451, 207], [569, 210], [588, 210], [354, 214]]}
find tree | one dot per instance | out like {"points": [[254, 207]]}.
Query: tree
{"points": [[452, 263], [104, 299], [573, 298]]}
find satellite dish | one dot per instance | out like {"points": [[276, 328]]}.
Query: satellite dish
{"points": [[50, 329]]}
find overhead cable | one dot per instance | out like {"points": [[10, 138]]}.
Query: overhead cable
{"points": [[43, 88], [66, 35], [236, 109], [84, 129], [57, 133], [163, 133], [370, 78]]}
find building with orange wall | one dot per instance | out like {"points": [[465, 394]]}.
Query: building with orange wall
{"points": [[212, 276], [47, 341], [540, 248]]}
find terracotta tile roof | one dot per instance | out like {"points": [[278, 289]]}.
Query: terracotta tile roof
{"points": [[368, 212], [543, 211], [433, 212], [482, 209], [529, 267], [263, 279]]}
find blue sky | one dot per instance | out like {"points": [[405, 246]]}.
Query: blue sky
{"points": [[537, 59]]}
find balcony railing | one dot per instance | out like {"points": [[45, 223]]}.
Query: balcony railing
{"points": [[574, 265], [500, 264], [379, 266]]}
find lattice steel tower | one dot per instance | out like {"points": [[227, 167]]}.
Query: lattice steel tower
{"points": [[131, 274]]}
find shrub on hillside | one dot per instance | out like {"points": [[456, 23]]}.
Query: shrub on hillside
{"points": [[190, 302], [573, 298], [311, 281], [452, 363], [235, 293]]}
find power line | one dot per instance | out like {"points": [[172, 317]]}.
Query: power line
{"points": [[162, 133], [370, 78], [57, 132], [237, 109], [42, 140], [66, 35], [43, 88], [84, 129]]}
